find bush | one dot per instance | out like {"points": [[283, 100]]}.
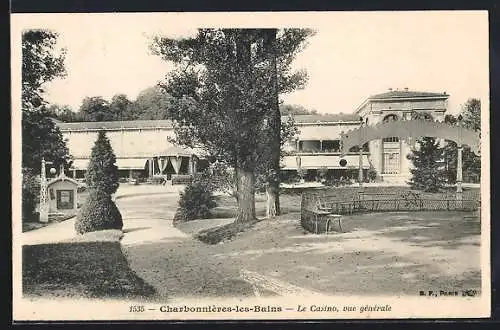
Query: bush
{"points": [[289, 176], [30, 194], [181, 179], [158, 180], [335, 182], [102, 172], [98, 212], [302, 173], [371, 173], [195, 202]]}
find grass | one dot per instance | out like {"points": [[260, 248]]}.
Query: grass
{"points": [[290, 200], [86, 270]]}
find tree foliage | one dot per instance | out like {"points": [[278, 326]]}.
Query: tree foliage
{"points": [[471, 112], [41, 63], [295, 109], [221, 93], [119, 107], [151, 104], [102, 172], [41, 138], [195, 201], [96, 108], [99, 212], [429, 173], [471, 163]]}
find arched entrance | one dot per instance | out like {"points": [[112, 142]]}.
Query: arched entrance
{"points": [[415, 128]]}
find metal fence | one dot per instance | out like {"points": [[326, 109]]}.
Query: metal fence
{"points": [[315, 208]]}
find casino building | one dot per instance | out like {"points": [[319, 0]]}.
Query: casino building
{"points": [[143, 147]]}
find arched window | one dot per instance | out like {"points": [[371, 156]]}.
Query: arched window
{"points": [[421, 115], [389, 118]]}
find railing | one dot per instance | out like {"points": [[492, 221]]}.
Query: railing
{"points": [[316, 208]]}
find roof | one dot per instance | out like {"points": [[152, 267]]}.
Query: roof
{"points": [[405, 94], [61, 178], [128, 124], [142, 124], [338, 117], [175, 151], [401, 94]]}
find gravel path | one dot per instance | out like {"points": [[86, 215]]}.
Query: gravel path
{"points": [[381, 254]]}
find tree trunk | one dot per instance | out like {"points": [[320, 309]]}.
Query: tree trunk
{"points": [[273, 202], [246, 195], [274, 122]]}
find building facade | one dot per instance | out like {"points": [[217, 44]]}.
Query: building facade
{"points": [[144, 147]]}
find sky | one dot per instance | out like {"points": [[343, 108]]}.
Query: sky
{"points": [[352, 56]]}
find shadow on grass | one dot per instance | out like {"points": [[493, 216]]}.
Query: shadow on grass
{"points": [[444, 229], [85, 270]]}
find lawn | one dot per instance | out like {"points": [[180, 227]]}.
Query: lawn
{"points": [[81, 269], [397, 253], [290, 199]]}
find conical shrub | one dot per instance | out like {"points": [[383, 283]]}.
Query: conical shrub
{"points": [[99, 212]]}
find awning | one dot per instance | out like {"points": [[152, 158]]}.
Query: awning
{"points": [[122, 163], [318, 161], [131, 163]]}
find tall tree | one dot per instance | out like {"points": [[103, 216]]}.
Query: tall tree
{"points": [[119, 107], [471, 112], [429, 173], [279, 49], [232, 69], [220, 102], [151, 104], [42, 139], [63, 113], [102, 172], [96, 108], [41, 63]]}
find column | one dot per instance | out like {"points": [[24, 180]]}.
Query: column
{"points": [[360, 173], [150, 174], [130, 174], [44, 205], [321, 145], [75, 199], [459, 176], [190, 165], [74, 173]]}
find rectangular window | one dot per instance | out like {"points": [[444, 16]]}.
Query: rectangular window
{"points": [[65, 199]]}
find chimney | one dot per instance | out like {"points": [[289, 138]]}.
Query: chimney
{"points": [[406, 89]]}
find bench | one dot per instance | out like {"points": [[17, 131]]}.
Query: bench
{"points": [[332, 218], [326, 209]]}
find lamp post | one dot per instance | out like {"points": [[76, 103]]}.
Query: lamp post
{"points": [[44, 204], [459, 194], [360, 173]]}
